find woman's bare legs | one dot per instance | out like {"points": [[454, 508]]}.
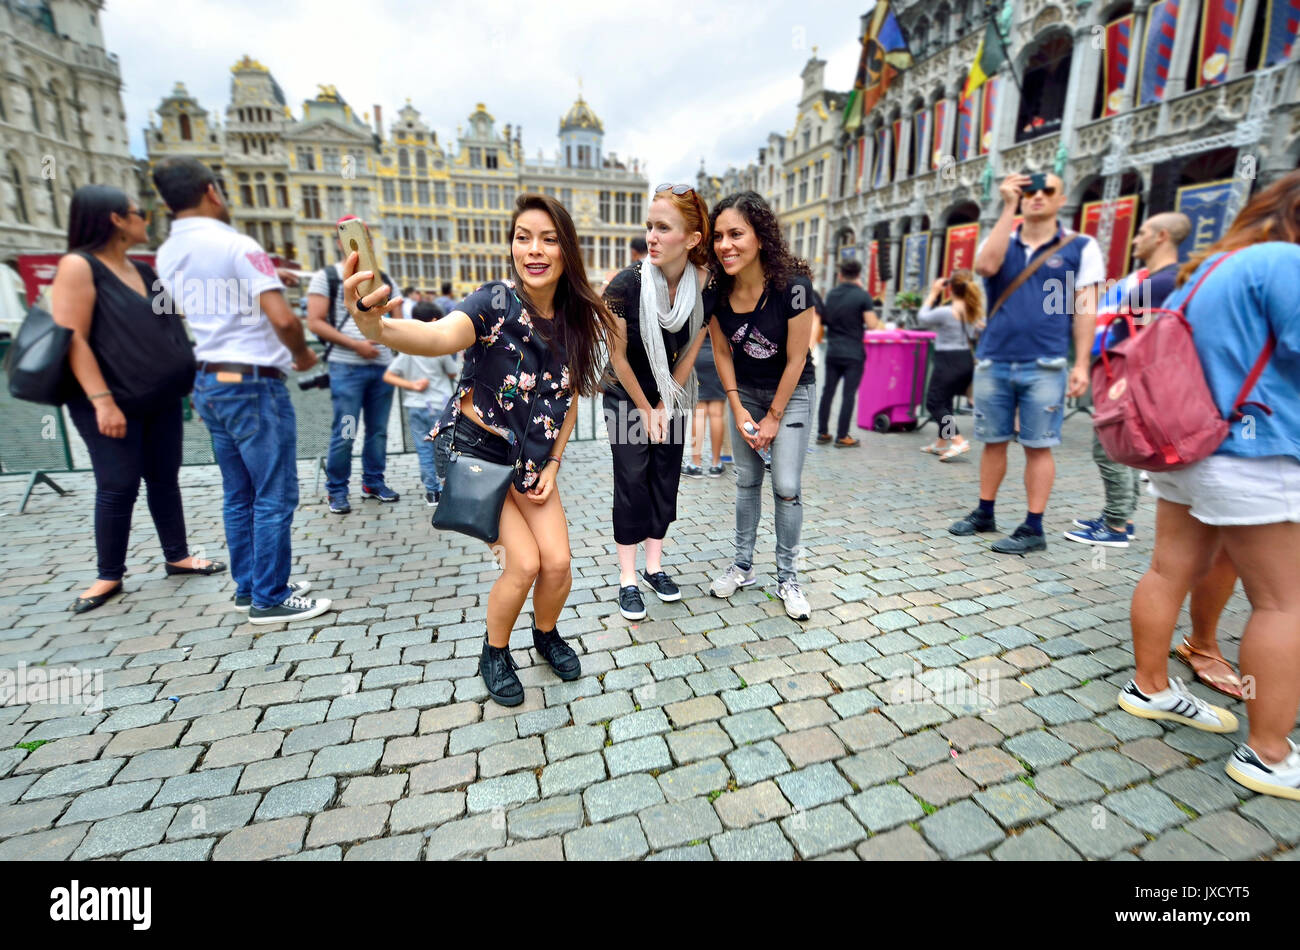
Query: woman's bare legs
{"points": [[517, 554], [716, 422], [550, 532]]}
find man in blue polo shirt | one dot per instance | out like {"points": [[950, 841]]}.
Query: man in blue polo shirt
{"points": [[1022, 374]]}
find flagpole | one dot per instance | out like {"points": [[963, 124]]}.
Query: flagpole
{"points": [[1006, 53]]}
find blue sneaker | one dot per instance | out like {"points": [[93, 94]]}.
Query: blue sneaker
{"points": [[381, 492], [1099, 524], [1100, 535], [339, 504]]}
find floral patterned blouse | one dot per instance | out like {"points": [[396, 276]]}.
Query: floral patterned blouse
{"points": [[520, 382]]}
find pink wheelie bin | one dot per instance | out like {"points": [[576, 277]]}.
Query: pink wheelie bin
{"points": [[893, 379]]}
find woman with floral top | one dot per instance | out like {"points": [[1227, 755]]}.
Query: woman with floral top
{"points": [[529, 348], [650, 388]]}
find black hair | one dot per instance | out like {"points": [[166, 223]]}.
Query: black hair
{"points": [[446, 288], [779, 265], [90, 225], [407, 291], [850, 268], [638, 244], [182, 182], [426, 312]]}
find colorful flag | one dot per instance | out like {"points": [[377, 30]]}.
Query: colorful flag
{"points": [[920, 126], [900, 160], [967, 122], [884, 56], [862, 159], [881, 176], [1218, 18], [1158, 50], [1283, 20], [941, 132], [1121, 232], [1119, 34], [988, 114], [988, 58]]}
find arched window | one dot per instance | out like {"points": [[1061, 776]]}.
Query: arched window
{"points": [[403, 160], [939, 29], [52, 188], [18, 201], [186, 132], [1046, 76], [33, 106], [921, 37], [56, 100], [421, 160]]}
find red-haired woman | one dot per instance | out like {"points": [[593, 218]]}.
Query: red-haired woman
{"points": [[1245, 496], [528, 349], [650, 388]]}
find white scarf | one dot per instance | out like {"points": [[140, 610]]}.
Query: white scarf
{"points": [[656, 316]]}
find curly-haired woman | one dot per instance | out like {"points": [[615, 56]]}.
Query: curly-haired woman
{"points": [[528, 349], [762, 300]]}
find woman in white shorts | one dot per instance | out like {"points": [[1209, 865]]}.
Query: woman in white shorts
{"points": [[1245, 496]]}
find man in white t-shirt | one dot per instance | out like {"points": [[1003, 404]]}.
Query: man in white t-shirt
{"points": [[246, 340], [357, 389]]}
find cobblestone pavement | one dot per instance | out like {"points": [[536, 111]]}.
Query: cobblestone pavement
{"points": [[943, 702]]}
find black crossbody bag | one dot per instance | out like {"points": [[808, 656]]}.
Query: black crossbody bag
{"points": [[473, 494]]}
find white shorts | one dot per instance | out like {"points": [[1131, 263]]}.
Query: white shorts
{"points": [[1228, 489]]}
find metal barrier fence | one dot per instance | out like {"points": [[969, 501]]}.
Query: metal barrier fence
{"points": [[41, 441]]}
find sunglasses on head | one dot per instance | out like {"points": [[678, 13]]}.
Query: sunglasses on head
{"points": [[676, 189]]}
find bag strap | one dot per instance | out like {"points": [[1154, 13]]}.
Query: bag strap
{"points": [[1029, 271]]}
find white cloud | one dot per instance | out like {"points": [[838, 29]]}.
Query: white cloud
{"points": [[673, 80]]}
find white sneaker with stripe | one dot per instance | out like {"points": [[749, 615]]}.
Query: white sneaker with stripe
{"points": [[1176, 704], [1282, 780]]}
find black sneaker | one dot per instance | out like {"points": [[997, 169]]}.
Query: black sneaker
{"points": [[498, 669], [339, 505], [1022, 541], [552, 648], [293, 608], [662, 585], [630, 604], [380, 492], [692, 471], [295, 587], [715, 471], [431, 498], [973, 523]]}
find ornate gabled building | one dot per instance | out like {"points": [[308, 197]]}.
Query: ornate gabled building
{"points": [[415, 194], [62, 123]]}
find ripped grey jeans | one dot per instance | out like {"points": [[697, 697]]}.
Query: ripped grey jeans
{"points": [[789, 449]]}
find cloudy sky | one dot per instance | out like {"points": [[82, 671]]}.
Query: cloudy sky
{"points": [[672, 80]]}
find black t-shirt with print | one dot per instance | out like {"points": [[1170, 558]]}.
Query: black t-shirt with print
{"points": [[758, 339], [520, 382], [623, 297]]}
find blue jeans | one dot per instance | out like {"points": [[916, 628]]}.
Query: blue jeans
{"points": [[1035, 388], [421, 421], [254, 439], [354, 390], [789, 449]]}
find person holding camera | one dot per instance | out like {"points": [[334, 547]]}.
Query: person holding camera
{"points": [[956, 328], [356, 382]]}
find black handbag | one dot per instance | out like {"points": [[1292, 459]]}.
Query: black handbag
{"points": [[37, 361], [473, 494]]}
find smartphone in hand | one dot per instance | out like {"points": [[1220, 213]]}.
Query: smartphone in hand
{"points": [[355, 236]]}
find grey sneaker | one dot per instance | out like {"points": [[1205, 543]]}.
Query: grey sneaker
{"points": [[796, 604], [732, 579]]}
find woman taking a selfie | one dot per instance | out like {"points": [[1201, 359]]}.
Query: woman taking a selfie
{"points": [[761, 336], [528, 350], [658, 329], [133, 365], [956, 327]]}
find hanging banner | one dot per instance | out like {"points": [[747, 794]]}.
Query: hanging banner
{"points": [[1119, 35], [1158, 50], [1283, 19], [900, 157], [875, 286], [1121, 232], [1206, 206], [959, 247], [1218, 18], [987, 114], [881, 176], [916, 255], [861, 159], [920, 126], [941, 132], [967, 121]]}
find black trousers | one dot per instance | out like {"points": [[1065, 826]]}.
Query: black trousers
{"points": [[850, 371], [646, 474], [151, 450], [953, 371]]}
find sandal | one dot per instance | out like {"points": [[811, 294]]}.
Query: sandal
{"points": [[954, 450], [1229, 685], [934, 448]]}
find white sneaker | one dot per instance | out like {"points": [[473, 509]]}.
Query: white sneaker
{"points": [[1283, 780], [293, 608], [796, 604], [295, 587], [732, 579], [1177, 705]]}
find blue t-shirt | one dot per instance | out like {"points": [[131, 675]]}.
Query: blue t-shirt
{"points": [[1232, 314]]}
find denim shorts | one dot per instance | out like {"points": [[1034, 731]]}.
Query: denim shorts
{"points": [[472, 439], [1035, 388]]}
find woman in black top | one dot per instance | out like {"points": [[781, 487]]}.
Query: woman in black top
{"points": [[125, 335], [647, 427], [761, 336], [529, 348]]}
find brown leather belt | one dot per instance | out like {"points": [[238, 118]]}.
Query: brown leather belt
{"points": [[243, 369]]}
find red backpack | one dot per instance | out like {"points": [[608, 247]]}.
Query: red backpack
{"points": [[1153, 409]]}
